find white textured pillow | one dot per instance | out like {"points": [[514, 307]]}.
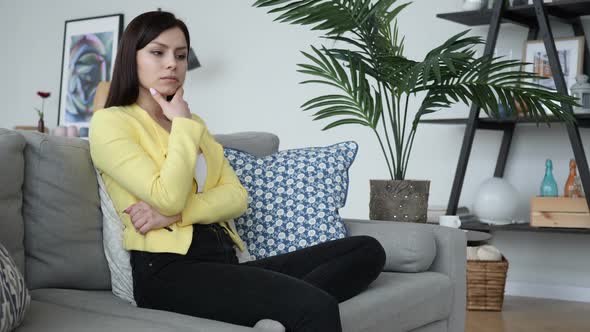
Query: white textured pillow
{"points": [[112, 239], [14, 295]]}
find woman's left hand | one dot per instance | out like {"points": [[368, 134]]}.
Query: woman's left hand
{"points": [[145, 218]]}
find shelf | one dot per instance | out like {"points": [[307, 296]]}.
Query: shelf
{"points": [[482, 227], [583, 121], [523, 15], [538, 19]]}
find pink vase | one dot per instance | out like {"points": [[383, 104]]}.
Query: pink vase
{"points": [[72, 131], [60, 131]]}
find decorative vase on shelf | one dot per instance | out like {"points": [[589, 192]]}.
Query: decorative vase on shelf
{"points": [[548, 186], [41, 125], [571, 189]]}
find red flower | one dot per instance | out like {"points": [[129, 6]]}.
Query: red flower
{"points": [[44, 95]]}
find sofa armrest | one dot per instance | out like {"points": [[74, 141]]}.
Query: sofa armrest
{"points": [[449, 254], [451, 259], [409, 247]]}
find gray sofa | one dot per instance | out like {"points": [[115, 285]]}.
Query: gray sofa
{"points": [[50, 221]]}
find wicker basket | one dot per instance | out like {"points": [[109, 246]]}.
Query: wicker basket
{"points": [[485, 284]]}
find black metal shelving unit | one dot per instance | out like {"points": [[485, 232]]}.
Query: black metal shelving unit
{"points": [[536, 18]]}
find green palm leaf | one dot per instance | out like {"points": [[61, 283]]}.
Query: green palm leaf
{"points": [[334, 16], [356, 101], [486, 80]]}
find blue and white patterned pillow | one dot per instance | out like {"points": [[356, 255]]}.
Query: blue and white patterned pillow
{"points": [[14, 295], [293, 197]]}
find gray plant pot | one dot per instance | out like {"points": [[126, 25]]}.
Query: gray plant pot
{"points": [[399, 200]]}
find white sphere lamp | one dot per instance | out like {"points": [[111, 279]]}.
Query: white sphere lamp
{"points": [[496, 202]]}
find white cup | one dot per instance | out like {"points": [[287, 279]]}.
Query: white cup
{"points": [[449, 221]]}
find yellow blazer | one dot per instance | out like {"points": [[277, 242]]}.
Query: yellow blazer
{"points": [[140, 160]]}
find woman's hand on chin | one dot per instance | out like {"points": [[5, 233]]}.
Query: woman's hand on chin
{"points": [[145, 218], [177, 107]]}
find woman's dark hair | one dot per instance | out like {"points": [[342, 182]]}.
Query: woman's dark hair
{"points": [[141, 31]]}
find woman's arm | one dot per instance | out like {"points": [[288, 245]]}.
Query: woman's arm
{"points": [[115, 150], [227, 200], [145, 218]]}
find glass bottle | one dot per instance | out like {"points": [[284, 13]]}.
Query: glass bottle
{"points": [[41, 125], [548, 186], [569, 189]]}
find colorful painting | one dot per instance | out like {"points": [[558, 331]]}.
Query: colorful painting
{"points": [[90, 46], [90, 63]]}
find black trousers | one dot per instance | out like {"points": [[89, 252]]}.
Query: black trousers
{"points": [[301, 289]]}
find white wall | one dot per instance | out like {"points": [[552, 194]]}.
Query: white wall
{"points": [[248, 82]]}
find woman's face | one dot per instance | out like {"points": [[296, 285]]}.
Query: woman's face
{"points": [[162, 63]]}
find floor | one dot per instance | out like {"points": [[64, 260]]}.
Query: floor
{"points": [[524, 314]]}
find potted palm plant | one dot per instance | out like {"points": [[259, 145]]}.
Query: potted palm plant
{"points": [[374, 83]]}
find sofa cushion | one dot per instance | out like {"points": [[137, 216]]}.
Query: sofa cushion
{"points": [[293, 197], [117, 314], [11, 178], [43, 316], [409, 247], [399, 302], [259, 144], [61, 210], [14, 295]]}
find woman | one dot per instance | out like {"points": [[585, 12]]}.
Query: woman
{"points": [[175, 191]]}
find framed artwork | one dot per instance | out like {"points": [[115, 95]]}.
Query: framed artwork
{"points": [[570, 52], [89, 50]]}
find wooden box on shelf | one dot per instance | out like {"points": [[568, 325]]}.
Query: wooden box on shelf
{"points": [[562, 212]]}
